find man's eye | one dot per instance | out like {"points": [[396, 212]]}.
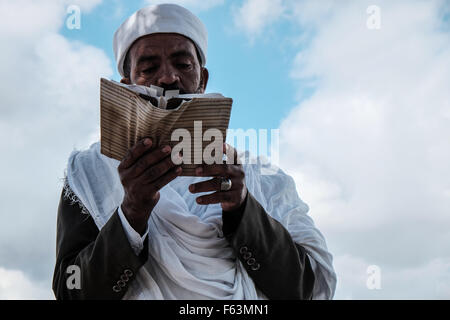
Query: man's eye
{"points": [[183, 65], [149, 70]]}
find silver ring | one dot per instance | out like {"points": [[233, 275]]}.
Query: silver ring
{"points": [[225, 184]]}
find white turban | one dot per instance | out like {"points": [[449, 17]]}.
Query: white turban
{"points": [[163, 18]]}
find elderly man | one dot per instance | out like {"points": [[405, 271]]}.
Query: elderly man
{"points": [[137, 230]]}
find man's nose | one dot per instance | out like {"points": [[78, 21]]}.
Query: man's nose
{"points": [[167, 76]]}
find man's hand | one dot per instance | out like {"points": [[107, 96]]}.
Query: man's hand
{"points": [[143, 172], [229, 200]]}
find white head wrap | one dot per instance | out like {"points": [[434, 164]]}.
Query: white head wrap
{"points": [[163, 18]]}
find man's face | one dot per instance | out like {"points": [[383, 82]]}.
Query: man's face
{"points": [[169, 61]]}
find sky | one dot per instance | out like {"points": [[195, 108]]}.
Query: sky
{"points": [[359, 93]]}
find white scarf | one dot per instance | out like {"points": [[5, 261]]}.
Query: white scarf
{"points": [[188, 256]]}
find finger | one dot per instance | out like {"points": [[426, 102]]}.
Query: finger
{"points": [[166, 178], [155, 171], [135, 152], [213, 185], [206, 186], [218, 197], [149, 159]]}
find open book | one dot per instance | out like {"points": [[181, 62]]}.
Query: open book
{"points": [[194, 124]]}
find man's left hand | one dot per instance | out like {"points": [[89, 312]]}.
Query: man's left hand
{"points": [[229, 200]]}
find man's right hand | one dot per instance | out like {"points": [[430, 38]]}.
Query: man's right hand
{"points": [[143, 172]]}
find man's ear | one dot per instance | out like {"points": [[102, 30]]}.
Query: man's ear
{"points": [[125, 80], [204, 76]]}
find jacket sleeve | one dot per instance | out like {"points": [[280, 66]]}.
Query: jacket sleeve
{"points": [[105, 258], [279, 267]]}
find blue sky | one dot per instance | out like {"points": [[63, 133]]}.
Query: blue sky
{"points": [[254, 73]]}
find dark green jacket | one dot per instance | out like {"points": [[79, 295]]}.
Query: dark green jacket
{"points": [[279, 267]]}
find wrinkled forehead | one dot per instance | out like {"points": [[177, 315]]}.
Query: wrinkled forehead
{"points": [[163, 44]]}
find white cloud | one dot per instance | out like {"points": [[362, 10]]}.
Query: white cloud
{"points": [[15, 285], [24, 18], [369, 149], [430, 280], [49, 105], [195, 5], [254, 16]]}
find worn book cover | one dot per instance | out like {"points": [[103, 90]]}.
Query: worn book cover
{"points": [[195, 126]]}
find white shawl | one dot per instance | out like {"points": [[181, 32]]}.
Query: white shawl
{"points": [[188, 256]]}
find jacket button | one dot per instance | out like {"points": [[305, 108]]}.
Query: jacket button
{"points": [[121, 283], [124, 277], [117, 289], [128, 273], [251, 261], [243, 250], [255, 267], [247, 255]]}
